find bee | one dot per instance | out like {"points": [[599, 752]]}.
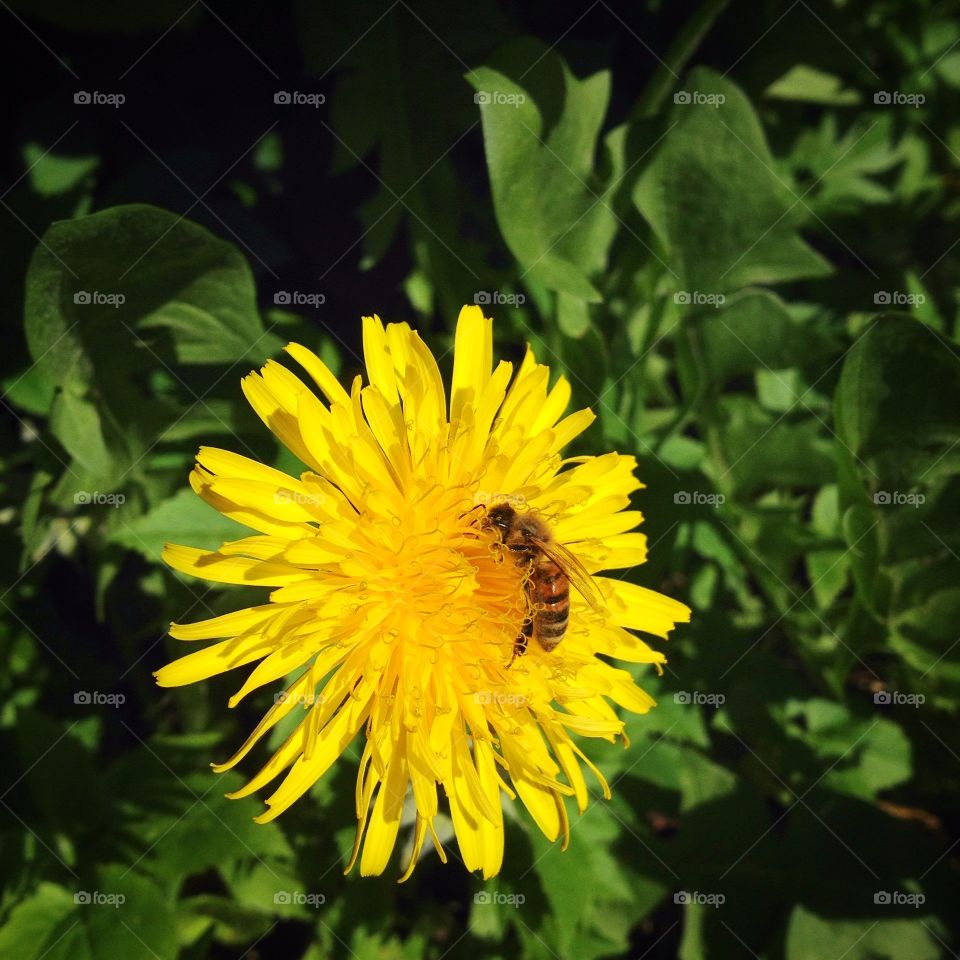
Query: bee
{"points": [[551, 568]]}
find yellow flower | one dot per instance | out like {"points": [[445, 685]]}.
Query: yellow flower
{"points": [[393, 607]]}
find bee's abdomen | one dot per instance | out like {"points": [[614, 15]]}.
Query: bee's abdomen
{"points": [[550, 593]]}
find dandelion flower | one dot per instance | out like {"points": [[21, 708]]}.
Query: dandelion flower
{"points": [[394, 613]]}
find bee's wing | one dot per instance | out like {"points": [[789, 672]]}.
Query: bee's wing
{"points": [[575, 571]]}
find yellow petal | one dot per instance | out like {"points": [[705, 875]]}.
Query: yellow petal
{"points": [[472, 359]]}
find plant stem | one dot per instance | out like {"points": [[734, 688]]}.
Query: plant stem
{"points": [[681, 50]]}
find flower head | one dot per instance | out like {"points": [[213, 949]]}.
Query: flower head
{"points": [[396, 607]]}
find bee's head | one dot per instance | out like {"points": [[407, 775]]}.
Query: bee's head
{"points": [[500, 517]]}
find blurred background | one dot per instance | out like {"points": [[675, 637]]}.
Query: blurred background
{"points": [[733, 226]]}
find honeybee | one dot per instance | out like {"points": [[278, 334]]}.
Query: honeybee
{"points": [[551, 569]]}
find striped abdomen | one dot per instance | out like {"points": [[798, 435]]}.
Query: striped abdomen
{"points": [[548, 590]]}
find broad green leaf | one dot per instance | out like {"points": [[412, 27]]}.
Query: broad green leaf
{"points": [[75, 422], [763, 450], [900, 388], [813, 86], [184, 519], [30, 925], [845, 165], [541, 127], [30, 391], [811, 937], [117, 913], [53, 173], [142, 284], [714, 197], [754, 331]]}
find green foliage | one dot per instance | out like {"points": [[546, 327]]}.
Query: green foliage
{"points": [[744, 260]]}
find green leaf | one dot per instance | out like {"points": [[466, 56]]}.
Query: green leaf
{"points": [[75, 422], [184, 518], [871, 754], [116, 914], [765, 451], [808, 84], [32, 922], [30, 391], [573, 315], [142, 284], [900, 388], [810, 937], [754, 330], [844, 166], [541, 127], [713, 196], [53, 173]]}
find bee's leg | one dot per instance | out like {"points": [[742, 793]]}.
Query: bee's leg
{"points": [[523, 638], [474, 509]]}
